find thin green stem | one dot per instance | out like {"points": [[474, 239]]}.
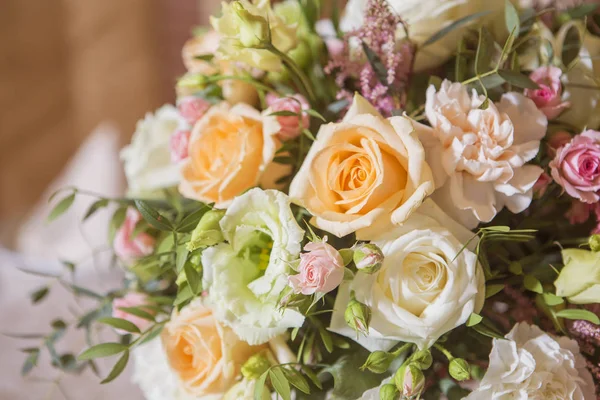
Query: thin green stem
{"points": [[402, 349], [444, 351], [478, 77], [294, 69]]}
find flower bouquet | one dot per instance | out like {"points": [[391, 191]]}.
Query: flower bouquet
{"points": [[398, 202]]}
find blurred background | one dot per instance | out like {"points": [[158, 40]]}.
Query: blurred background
{"points": [[75, 76], [68, 66]]}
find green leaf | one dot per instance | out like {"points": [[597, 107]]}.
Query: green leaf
{"points": [[308, 134], [119, 323], [577, 313], [191, 221], [204, 57], [485, 331], [511, 16], [582, 11], [184, 294], [462, 21], [297, 380], [349, 381], [515, 268], [474, 319], [312, 376], [327, 340], [102, 350], [181, 258], [193, 278], [380, 70], [118, 367], [316, 114], [116, 221], [284, 113], [347, 255], [30, 362], [153, 217], [259, 387], [485, 51], [280, 383], [97, 205], [286, 160], [552, 299], [138, 312], [533, 284], [517, 79], [491, 290], [39, 294], [62, 206], [152, 333]]}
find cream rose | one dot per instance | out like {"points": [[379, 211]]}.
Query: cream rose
{"points": [[530, 364], [428, 284], [424, 18], [205, 356], [363, 173], [478, 157], [229, 150]]}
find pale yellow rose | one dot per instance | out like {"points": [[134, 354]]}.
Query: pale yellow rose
{"points": [[363, 173], [229, 151], [238, 34], [205, 356]]}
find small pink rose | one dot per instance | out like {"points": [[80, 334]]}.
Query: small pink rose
{"points": [[192, 108], [291, 125], [321, 270], [178, 145], [576, 167], [541, 185], [131, 299], [129, 249], [547, 97]]}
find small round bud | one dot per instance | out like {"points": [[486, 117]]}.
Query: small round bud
{"points": [[459, 369], [255, 366], [208, 231], [409, 380], [378, 362], [368, 258], [388, 392], [422, 359], [594, 242], [358, 316]]}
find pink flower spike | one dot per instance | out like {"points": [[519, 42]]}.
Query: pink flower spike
{"points": [[192, 108], [321, 270], [132, 299], [548, 96], [129, 249]]}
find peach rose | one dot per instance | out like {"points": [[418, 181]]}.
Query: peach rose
{"points": [[205, 356], [229, 150], [363, 173]]}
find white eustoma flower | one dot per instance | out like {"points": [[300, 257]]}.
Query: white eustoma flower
{"points": [[147, 158], [479, 156], [246, 276], [426, 286], [532, 365], [424, 18]]}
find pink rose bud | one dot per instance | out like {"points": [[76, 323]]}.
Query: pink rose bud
{"points": [[129, 249], [192, 108], [576, 167], [321, 270], [540, 187], [291, 125], [131, 299], [559, 139], [178, 145], [579, 212], [547, 97]]}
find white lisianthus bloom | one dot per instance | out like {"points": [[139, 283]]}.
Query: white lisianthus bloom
{"points": [[532, 365], [479, 157], [424, 18], [147, 159], [246, 276], [426, 286]]}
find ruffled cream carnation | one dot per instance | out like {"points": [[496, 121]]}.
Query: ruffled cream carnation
{"points": [[479, 156]]}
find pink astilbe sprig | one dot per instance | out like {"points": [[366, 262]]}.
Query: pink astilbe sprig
{"points": [[378, 33], [587, 335]]}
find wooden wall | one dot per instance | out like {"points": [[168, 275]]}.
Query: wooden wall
{"points": [[67, 65]]}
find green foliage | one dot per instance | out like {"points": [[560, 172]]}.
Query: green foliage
{"points": [[459, 22], [578, 313], [62, 206]]}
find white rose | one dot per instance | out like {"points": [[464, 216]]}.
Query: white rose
{"points": [[424, 289], [246, 276], [532, 365], [478, 157], [424, 18], [147, 159]]}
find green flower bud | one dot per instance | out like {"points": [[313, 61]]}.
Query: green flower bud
{"points": [[208, 231], [422, 359], [579, 280], [459, 369], [358, 316], [255, 366], [409, 380], [388, 392], [594, 242], [368, 258], [378, 362], [254, 29]]}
